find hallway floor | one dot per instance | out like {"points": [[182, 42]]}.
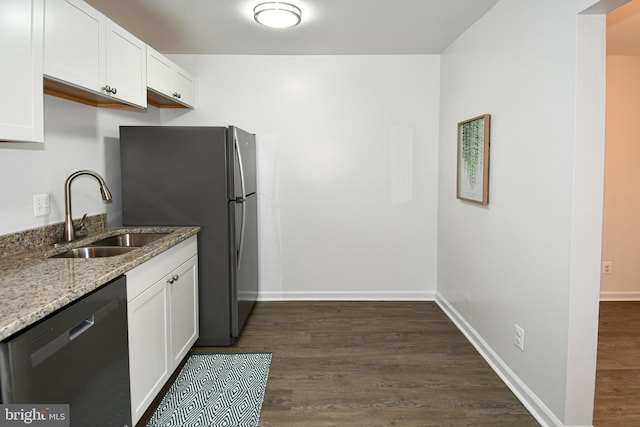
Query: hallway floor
{"points": [[617, 402]]}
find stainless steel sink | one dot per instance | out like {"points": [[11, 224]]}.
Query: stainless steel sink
{"points": [[94, 252], [127, 240]]}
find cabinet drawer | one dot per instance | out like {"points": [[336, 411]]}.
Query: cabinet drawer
{"points": [[148, 273]]}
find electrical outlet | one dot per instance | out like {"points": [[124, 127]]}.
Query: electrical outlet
{"points": [[41, 205], [607, 267], [519, 337]]}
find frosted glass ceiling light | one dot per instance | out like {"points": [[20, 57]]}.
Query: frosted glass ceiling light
{"points": [[276, 14]]}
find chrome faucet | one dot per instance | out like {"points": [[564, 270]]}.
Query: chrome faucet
{"points": [[69, 229]]}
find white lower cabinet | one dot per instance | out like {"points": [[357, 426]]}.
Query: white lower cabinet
{"points": [[149, 364], [183, 294], [162, 303]]}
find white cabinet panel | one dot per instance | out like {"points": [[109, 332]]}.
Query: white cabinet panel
{"points": [[159, 72], [184, 309], [169, 85], [183, 84], [85, 51], [21, 39], [149, 359], [74, 43], [126, 65]]}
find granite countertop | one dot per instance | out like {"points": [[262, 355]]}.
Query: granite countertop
{"points": [[33, 286]]}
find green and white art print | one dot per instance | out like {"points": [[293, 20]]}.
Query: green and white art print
{"points": [[473, 160]]}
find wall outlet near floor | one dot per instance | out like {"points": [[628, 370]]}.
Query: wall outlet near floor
{"points": [[41, 205], [519, 337], [607, 267]]}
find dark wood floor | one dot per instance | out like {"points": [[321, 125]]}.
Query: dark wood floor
{"points": [[405, 364], [617, 401], [373, 364]]}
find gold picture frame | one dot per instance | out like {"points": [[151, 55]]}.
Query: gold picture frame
{"points": [[473, 160]]}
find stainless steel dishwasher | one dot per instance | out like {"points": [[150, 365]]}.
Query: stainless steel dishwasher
{"points": [[77, 356]]}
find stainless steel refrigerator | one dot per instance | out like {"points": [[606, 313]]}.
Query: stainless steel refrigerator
{"points": [[203, 176]]}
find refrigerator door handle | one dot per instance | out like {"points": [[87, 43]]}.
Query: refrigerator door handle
{"points": [[242, 201], [236, 145], [242, 228]]}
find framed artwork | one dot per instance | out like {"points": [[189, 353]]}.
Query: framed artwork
{"points": [[473, 160]]}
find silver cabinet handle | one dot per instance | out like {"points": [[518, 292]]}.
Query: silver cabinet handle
{"points": [[109, 89], [173, 279], [177, 95]]}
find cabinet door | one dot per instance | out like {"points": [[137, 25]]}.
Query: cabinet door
{"points": [[21, 35], [149, 361], [74, 48], [166, 78], [183, 85], [159, 72], [126, 65], [183, 288]]}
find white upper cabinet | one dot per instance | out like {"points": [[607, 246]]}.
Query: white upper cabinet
{"points": [[21, 110], [74, 43], [183, 83], [90, 59], [126, 65], [168, 84], [159, 72]]}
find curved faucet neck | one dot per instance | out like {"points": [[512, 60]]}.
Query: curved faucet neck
{"points": [[69, 230]]}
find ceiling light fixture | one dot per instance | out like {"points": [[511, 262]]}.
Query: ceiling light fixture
{"points": [[277, 14]]}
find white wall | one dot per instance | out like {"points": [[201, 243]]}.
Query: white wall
{"points": [[76, 137], [347, 167], [620, 230], [517, 260]]}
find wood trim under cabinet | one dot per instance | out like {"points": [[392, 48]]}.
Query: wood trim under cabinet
{"points": [[161, 101], [72, 93], [82, 96]]}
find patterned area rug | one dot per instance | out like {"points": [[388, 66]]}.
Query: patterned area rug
{"points": [[216, 390]]}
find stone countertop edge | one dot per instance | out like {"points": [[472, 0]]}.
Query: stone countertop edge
{"points": [[32, 286]]}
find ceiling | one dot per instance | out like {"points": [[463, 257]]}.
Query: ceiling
{"points": [[328, 26]]}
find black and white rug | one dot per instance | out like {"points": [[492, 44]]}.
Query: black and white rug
{"points": [[216, 390]]}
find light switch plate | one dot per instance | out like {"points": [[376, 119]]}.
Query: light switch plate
{"points": [[519, 337], [41, 205]]}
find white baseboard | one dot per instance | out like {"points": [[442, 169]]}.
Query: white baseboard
{"points": [[534, 405], [347, 296], [619, 296]]}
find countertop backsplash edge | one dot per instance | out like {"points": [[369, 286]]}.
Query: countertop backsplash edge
{"points": [[28, 240]]}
